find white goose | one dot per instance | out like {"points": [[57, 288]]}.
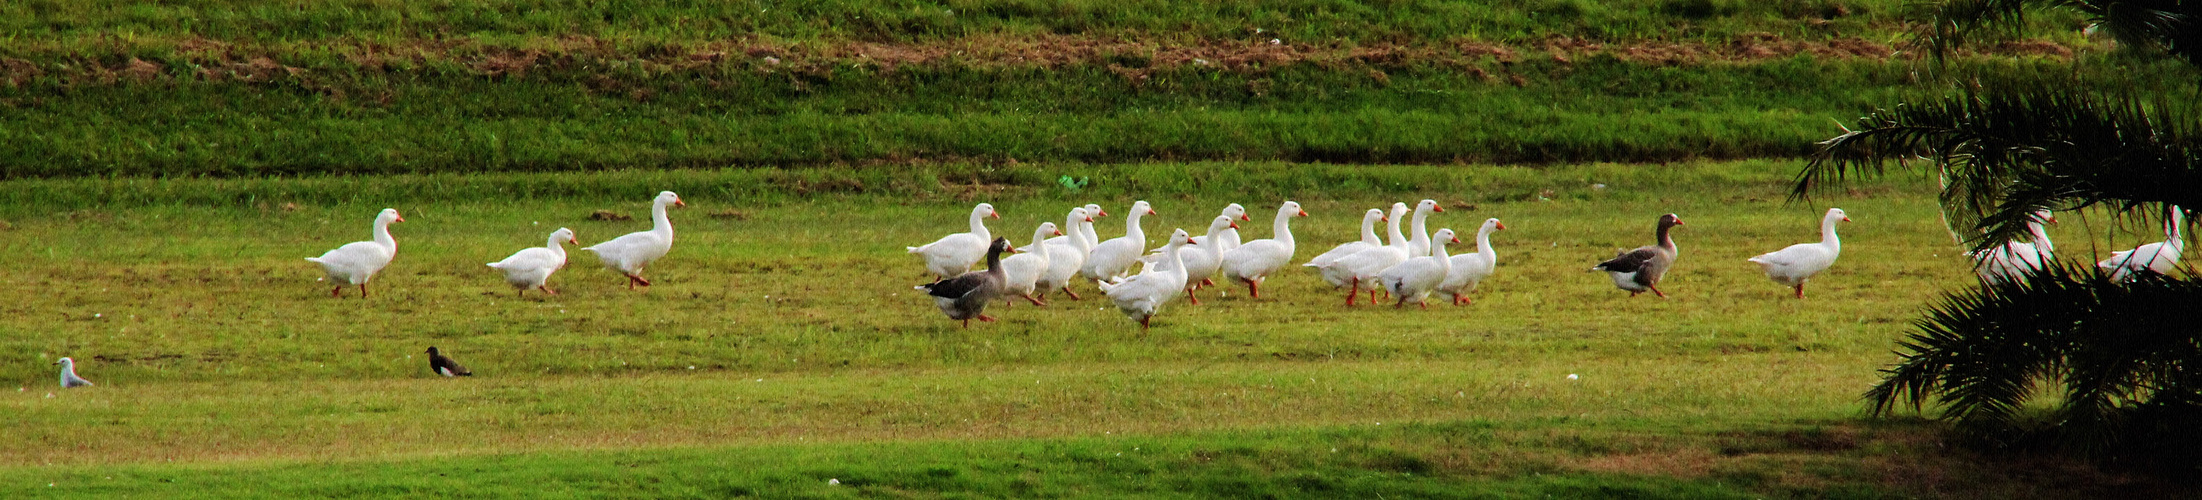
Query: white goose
{"points": [[2015, 260], [1368, 241], [954, 254], [629, 253], [1253, 262], [1140, 296], [1023, 271], [1083, 229], [1416, 277], [357, 262], [1358, 271], [2159, 258], [1065, 254], [1229, 238], [1470, 269], [1418, 244], [1797, 263], [1201, 259], [532, 267], [1112, 258]]}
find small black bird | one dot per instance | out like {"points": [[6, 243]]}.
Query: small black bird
{"points": [[443, 365]]}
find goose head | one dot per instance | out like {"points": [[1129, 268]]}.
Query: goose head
{"points": [[985, 210], [432, 351], [1374, 215], [1143, 208], [1048, 228], [1180, 237], [389, 215], [1235, 211], [1445, 235], [1222, 221], [1291, 208], [1399, 209], [1669, 220], [1001, 245], [1837, 214], [1093, 210], [1493, 224], [65, 363], [1428, 206], [564, 234], [667, 197]]}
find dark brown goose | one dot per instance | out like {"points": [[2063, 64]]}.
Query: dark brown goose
{"points": [[964, 297], [443, 365], [1639, 270]]}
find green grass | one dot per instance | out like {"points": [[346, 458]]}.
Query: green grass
{"points": [[783, 332]]}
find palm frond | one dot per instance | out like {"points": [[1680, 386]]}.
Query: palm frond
{"points": [[2119, 349], [2008, 153], [2165, 25]]}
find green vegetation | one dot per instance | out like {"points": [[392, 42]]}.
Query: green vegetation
{"points": [[211, 342]]}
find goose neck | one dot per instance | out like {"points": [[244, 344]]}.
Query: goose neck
{"points": [[1827, 233], [1392, 230], [1039, 243], [382, 234], [1483, 244], [659, 223], [1282, 227], [978, 226], [1368, 232], [1666, 240]]}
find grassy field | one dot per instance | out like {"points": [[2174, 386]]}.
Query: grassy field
{"points": [[783, 347]]}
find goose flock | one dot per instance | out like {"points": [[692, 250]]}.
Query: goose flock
{"points": [[1409, 266]]}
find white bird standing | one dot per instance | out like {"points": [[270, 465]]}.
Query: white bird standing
{"points": [[1065, 254], [1253, 262], [1139, 297], [1418, 244], [357, 262], [1113, 257], [630, 253], [1022, 272], [2014, 260], [1797, 263], [1416, 277], [1358, 271], [532, 267], [1368, 241], [68, 374], [1201, 259], [1229, 238], [952, 255], [2159, 258], [1470, 269]]}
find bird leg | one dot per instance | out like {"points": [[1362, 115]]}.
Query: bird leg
{"points": [[1254, 288], [1207, 282], [1073, 295], [1143, 323], [1372, 296], [362, 290], [1402, 302], [1425, 303], [1352, 289], [1800, 290], [1035, 301], [521, 293], [967, 323], [546, 289], [1655, 290], [338, 292], [989, 319], [1189, 295]]}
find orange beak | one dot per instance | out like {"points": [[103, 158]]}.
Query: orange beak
{"points": [[1058, 232], [679, 203], [1242, 216], [1846, 219], [1386, 218], [1234, 225], [1189, 241], [1502, 225], [1104, 213], [994, 214], [573, 241], [2052, 219], [1456, 239], [1010, 249], [1151, 211], [1435, 208], [1303, 213], [1089, 219], [400, 218]]}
